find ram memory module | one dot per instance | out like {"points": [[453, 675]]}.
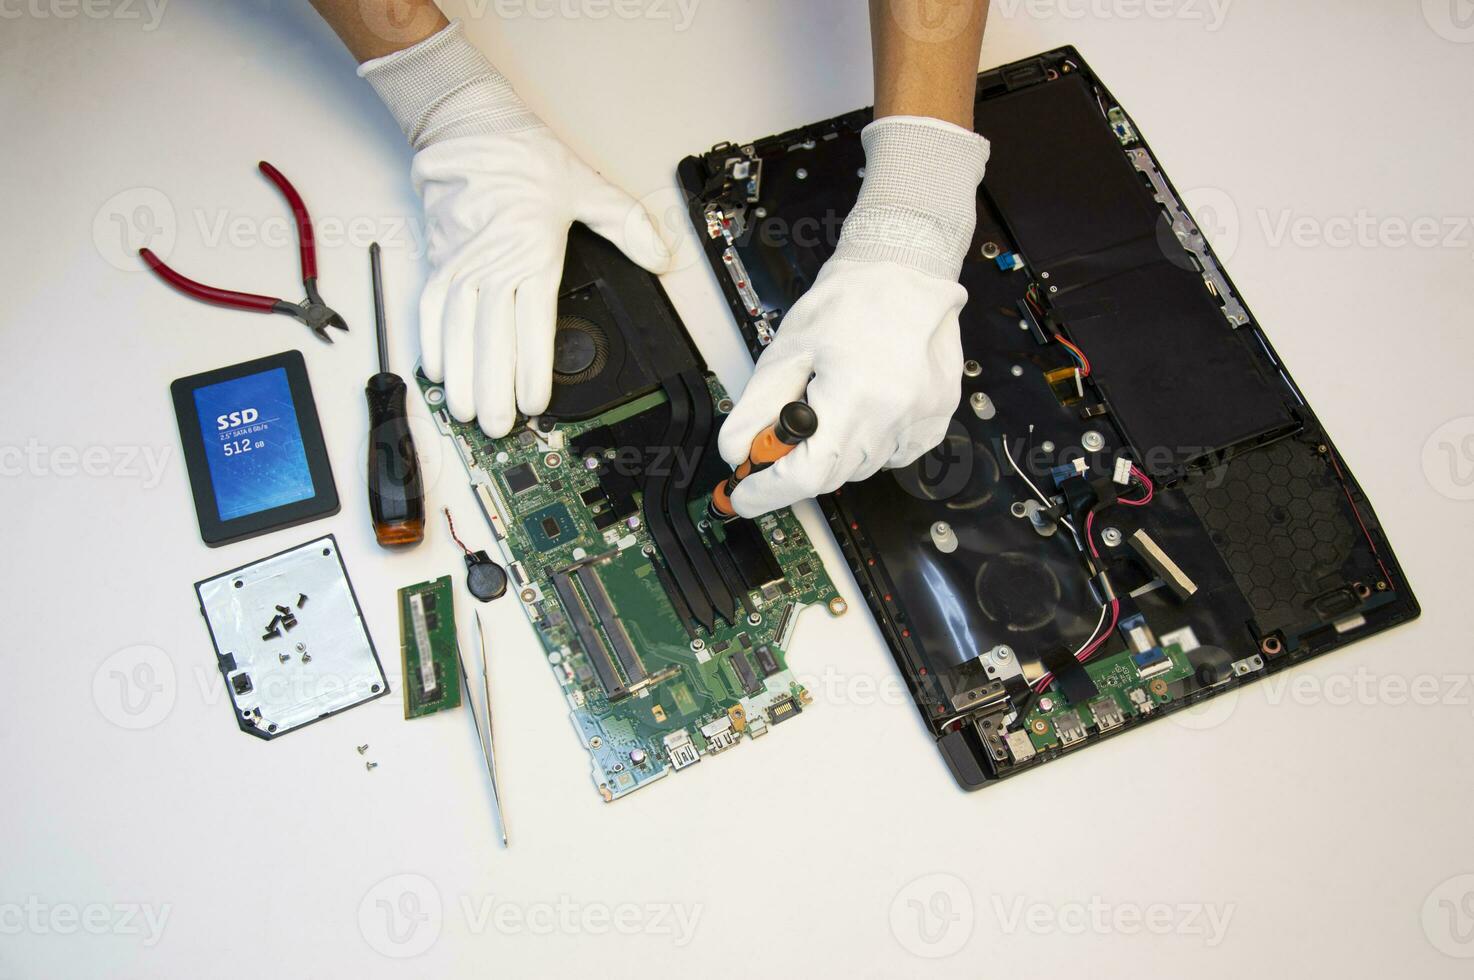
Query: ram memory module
{"points": [[427, 643]]}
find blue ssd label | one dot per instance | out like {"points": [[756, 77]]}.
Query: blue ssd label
{"points": [[253, 444]]}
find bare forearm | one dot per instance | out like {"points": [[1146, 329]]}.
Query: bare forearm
{"points": [[374, 28], [926, 57]]}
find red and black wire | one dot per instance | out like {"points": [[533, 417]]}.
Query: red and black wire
{"points": [[1112, 610]]}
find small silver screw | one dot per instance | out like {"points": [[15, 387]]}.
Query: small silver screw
{"points": [[754, 619], [301, 648], [1112, 537], [698, 644], [283, 657], [1047, 445], [370, 766], [1092, 441], [972, 369], [1043, 275], [307, 658], [363, 748], [1017, 371], [802, 174]]}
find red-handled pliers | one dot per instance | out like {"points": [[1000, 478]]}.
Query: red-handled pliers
{"points": [[311, 311]]}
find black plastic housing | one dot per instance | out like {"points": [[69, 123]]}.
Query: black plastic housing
{"points": [[1254, 501]]}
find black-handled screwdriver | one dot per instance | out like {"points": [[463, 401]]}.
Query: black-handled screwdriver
{"points": [[396, 494]]}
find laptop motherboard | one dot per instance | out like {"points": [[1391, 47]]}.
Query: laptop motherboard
{"points": [[667, 632]]}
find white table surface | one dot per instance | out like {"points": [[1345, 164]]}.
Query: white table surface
{"points": [[1318, 824]]}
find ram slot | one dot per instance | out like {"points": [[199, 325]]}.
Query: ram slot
{"points": [[588, 636], [604, 614]]}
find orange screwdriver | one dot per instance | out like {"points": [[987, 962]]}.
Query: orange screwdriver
{"points": [[396, 494], [796, 423]]}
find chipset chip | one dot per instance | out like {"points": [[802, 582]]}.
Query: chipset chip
{"points": [[550, 527], [520, 479]]}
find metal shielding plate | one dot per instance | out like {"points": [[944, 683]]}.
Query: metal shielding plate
{"points": [[290, 640]]}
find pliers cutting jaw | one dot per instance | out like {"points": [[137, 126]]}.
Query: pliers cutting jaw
{"points": [[312, 311]]}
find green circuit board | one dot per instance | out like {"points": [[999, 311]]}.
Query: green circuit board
{"points": [[428, 648], [1124, 694], [648, 692]]}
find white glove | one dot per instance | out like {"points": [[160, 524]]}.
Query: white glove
{"points": [[500, 193], [878, 330]]}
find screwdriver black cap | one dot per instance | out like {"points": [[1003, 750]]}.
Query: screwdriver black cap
{"points": [[796, 423]]}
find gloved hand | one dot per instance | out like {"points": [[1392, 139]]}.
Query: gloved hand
{"points": [[878, 330], [500, 193]]}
